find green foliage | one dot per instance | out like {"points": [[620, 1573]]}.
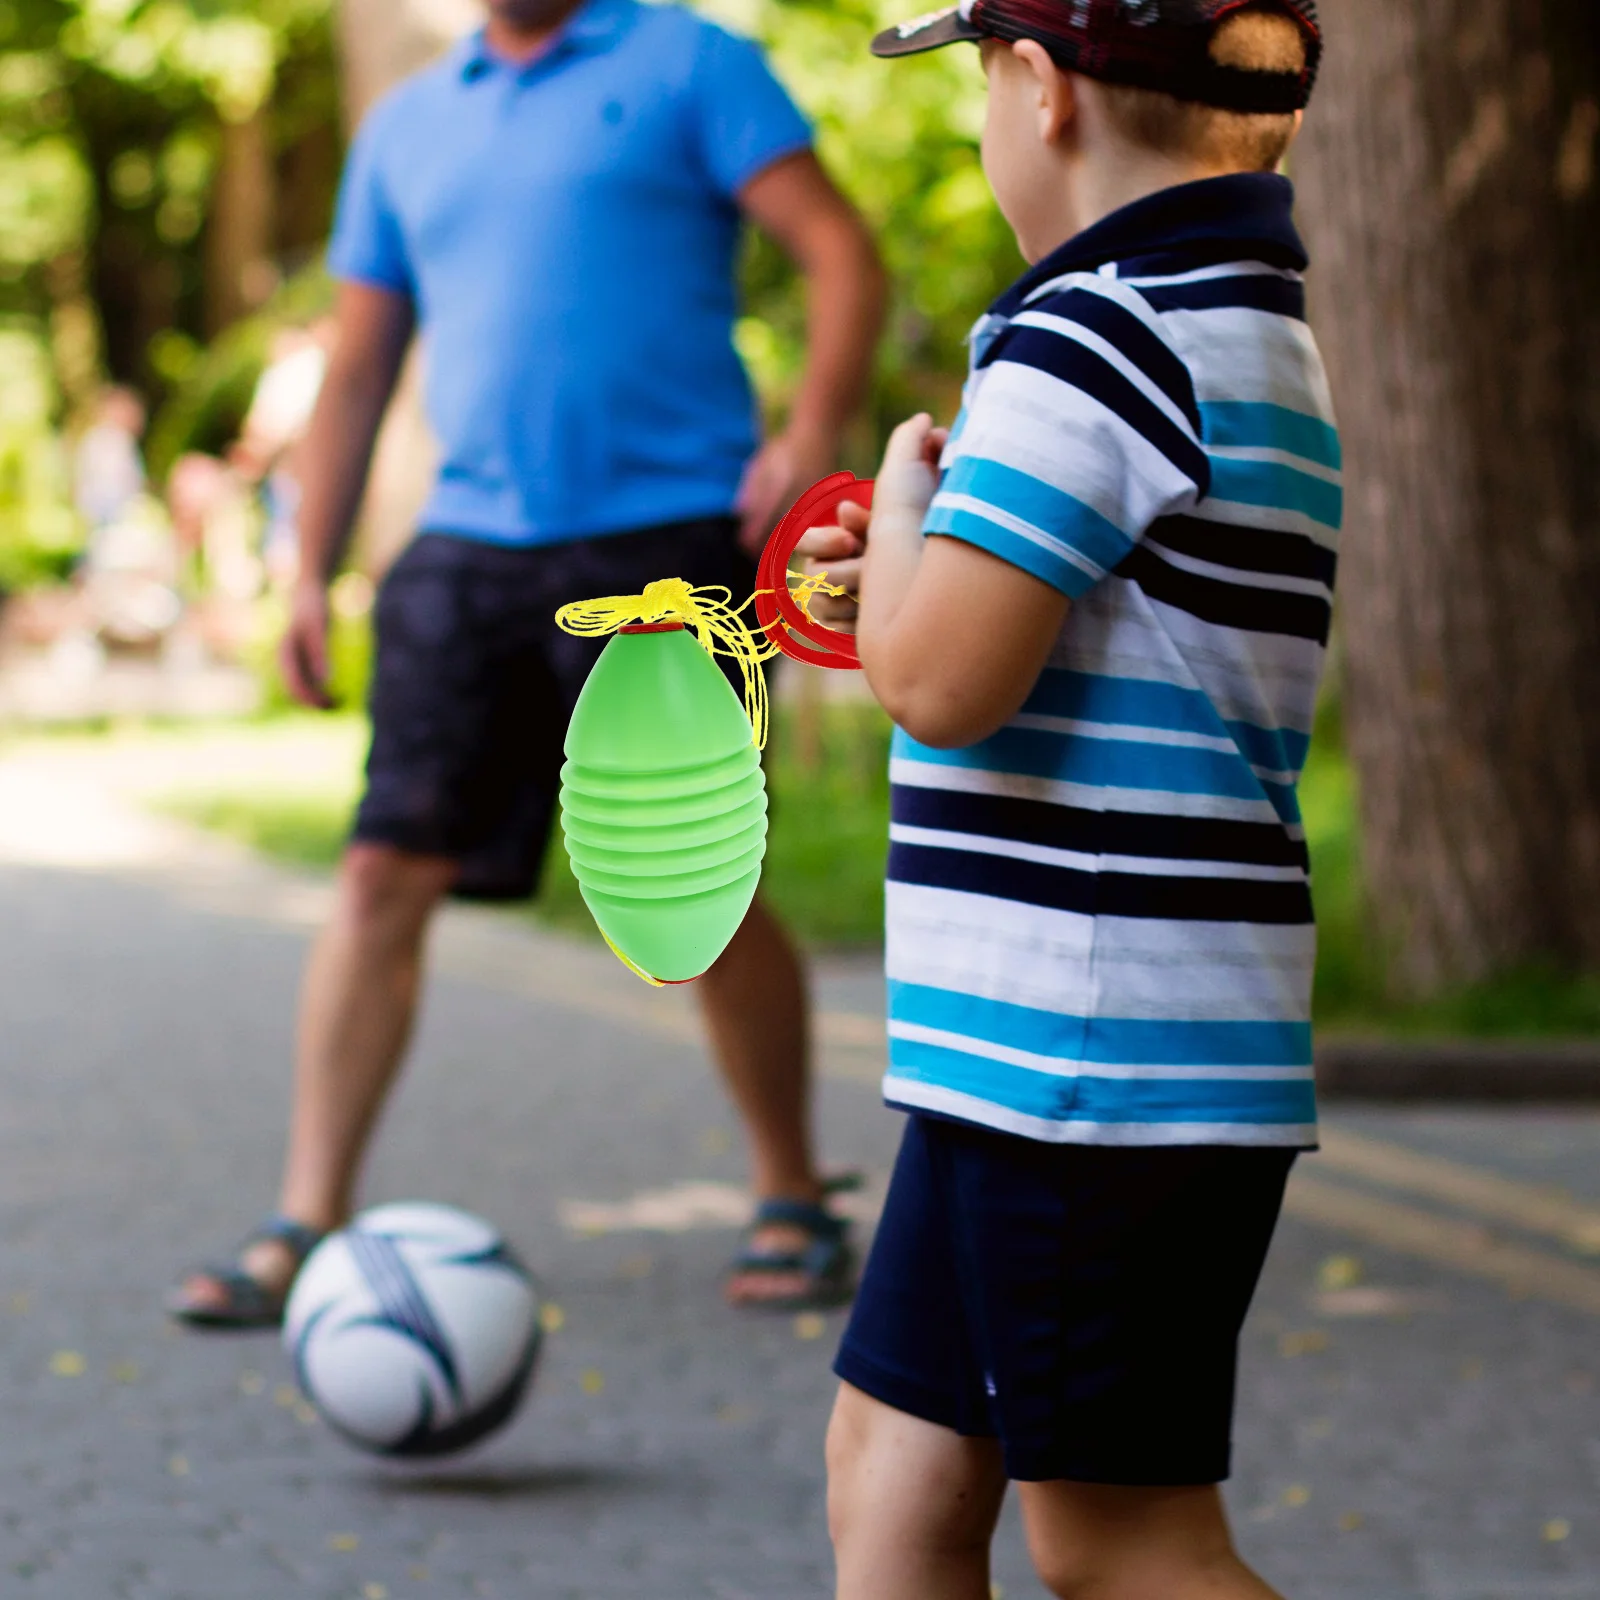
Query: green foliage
{"points": [[39, 534], [829, 838], [302, 830], [226, 51], [212, 387], [110, 120], [208, 403]]}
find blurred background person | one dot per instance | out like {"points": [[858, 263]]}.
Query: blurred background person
{"points": [[108, 463], [128, 577], [239, 510], [556, 206], [279, 416]]}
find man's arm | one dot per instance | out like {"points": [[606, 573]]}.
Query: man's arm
{"points": [[374, 328], [796, 202]]}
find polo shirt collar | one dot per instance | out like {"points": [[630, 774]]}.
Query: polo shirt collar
{"points": [[1252, 213], [594, 26]]}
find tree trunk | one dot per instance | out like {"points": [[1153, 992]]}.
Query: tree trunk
{"points": [[239, 270], [1448, 186], [382, 41]]}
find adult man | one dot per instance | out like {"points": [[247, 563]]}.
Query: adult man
{"points": [[556, 205]]}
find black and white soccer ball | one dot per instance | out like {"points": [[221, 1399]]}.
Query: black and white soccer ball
{"points": [[414, 1331]]}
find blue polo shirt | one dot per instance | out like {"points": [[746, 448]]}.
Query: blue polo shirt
{"points": [[568, 233]]}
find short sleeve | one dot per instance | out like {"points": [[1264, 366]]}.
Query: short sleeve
{"points": [[1080, 430], [368, 245], [744, 118]]}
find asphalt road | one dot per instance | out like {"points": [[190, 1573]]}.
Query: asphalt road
{"points": [[1420, 1415]]}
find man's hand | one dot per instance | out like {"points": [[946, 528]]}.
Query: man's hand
{"points": [[776, 476], [795, 202], [303, 655]]}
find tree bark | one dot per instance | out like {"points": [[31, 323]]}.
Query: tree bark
{"points": [[381, 42], [1448, 178], [239, 270]]}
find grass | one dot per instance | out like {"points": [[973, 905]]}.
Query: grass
{"points": [[825, 860], [304, 830]]}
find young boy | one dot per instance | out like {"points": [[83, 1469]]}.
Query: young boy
{"points": [[1100, 626]]}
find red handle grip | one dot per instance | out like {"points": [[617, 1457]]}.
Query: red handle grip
{"points": [[784, 623]]}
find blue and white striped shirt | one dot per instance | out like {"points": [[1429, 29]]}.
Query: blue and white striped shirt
{"points": [[1099, 919]]}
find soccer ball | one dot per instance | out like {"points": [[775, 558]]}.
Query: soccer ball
{"points": [[414, 1331]]}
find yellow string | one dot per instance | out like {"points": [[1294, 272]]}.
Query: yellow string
{"points": [[717, 626]]}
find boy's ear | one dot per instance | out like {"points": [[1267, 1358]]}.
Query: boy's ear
{"points": [[1057, 93]]}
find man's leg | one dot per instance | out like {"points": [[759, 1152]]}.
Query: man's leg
{"points": [[1096, 1542], [912, 1506], [357, 1003], [755, 1006]]}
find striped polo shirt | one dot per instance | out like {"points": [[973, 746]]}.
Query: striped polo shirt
{"points": [[1099, 924]]}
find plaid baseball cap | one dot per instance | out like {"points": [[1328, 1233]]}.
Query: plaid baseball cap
{"points": [[1147, 44]]}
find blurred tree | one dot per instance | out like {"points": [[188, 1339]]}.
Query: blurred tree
{"points": [[1449, 179], [140, 141], [383, 41], [38, 531]]}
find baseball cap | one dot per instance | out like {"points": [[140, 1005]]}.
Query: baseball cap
{"points": [[1146, 44]]}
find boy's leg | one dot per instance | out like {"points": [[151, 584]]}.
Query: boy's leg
{"points": [[912, 1506], [1098, 1542]]}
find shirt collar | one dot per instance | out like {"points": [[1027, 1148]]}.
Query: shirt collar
{"points": [[1251, 213], [594, 26]]}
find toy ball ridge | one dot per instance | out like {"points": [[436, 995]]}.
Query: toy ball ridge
{"points": [[414, 1331], [663, 804]]}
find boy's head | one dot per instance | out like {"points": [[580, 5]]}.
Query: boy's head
{"points": [[1090, 97]]}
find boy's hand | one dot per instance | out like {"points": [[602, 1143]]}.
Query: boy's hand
{"points": [[909, 476], [836, 551], [907, 482]]}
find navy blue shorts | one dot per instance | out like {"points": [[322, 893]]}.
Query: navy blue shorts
{"points": [[473, 686], [1081, 1304]]}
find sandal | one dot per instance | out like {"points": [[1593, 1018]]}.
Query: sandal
{"points": [[246, 1301], [827, 1262]]}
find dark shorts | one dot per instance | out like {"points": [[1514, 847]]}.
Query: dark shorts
{"points": [[473, 686], [1080, 1304]]}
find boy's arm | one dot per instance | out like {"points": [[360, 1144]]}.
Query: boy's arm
{"points": [[1081, 437], [952, 639]]}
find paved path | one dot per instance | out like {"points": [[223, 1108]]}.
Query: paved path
{"points": [[1420, 1417]]}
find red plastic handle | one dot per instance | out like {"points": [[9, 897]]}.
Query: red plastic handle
{"points": [[784, 623]]}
